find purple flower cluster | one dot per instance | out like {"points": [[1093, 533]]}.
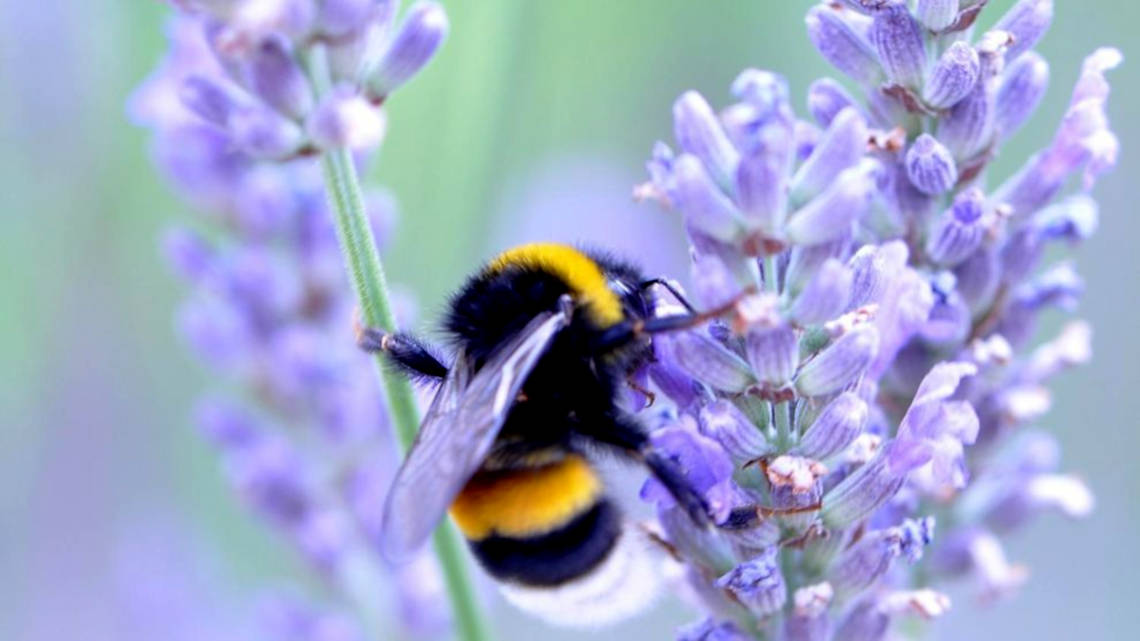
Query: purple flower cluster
{"points": [[237, 122], [879, 370]]}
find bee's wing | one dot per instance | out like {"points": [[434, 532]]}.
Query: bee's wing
{"points": [[456, 435]]}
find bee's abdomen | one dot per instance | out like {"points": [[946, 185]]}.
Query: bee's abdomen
{"points": [[557, 557], [541, 525]]}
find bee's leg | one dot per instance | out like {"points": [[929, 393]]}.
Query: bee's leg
{"points": [[622, 431], [405, 351]]}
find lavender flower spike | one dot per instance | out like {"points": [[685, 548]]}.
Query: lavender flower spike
{"points": [[881, 252]]}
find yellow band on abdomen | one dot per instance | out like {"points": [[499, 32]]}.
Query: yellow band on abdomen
{"points": [[526, 502], [581, 274]]}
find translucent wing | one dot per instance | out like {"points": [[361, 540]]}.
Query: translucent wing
{"points": [[456, 435]]}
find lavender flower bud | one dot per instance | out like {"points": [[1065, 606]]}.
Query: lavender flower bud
{"points": [[703, 205], [838, 425], [707, 360], [208, 99], [837, 34], [841, 148], [227, 426], [761, 190], [930, 166], [978, 278], [188, 253], [699, 133], [701, 544], [345, 119], [1073, 219], [978, 552], [758, 583], [722, 422], [1036, 494], [702, 461], [1021, 254], [840, 363], [953, 77], [773, 353], [1084, 139], [862, 564], [873, 483], [762, 89], [793, 484], [826, 98], [265, 134], [876, 269], [1027, 21], [825, 296], [276, 78], [1022, 88], [831, 214], [339, 17], [870, 620], [960, 232], [1072, 347], [709, 630], [897, 38], [936, 15], [425, 27], [966, 129], [809, 620]]}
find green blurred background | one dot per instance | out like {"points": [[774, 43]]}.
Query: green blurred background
{"points": [[533, 108]]}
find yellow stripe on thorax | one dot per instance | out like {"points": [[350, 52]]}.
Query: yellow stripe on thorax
{"points": [[581, 273], [526, 502]]}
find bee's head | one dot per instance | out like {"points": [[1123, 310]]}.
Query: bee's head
{"points": [[635, 295]]}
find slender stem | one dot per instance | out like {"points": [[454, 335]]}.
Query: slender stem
{"points": [[771, 280], [367, 275], [783, 418]]}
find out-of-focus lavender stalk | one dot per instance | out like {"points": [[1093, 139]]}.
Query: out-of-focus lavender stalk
{"points": [[239, 121], [884, 377]]}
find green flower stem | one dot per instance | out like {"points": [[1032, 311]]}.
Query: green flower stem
{"points": [[783, 421], [367, 275]]}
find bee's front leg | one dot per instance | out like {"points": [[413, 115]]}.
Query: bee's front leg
{"points": [[621, 430], [408, 353]]}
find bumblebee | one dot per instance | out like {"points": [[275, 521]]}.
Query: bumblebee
{"points": [[544, 338]]}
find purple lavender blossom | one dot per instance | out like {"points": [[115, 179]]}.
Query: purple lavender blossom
{"points": [[879, 366], [237, 121]]}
